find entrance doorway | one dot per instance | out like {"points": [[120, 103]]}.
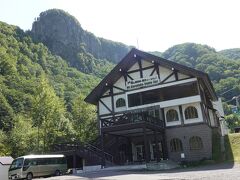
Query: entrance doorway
{"points": [[139, 152], [153, 150]]}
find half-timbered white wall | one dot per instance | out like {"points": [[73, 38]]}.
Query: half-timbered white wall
{"points": [[163, 73]]}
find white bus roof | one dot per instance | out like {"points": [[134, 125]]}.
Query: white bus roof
{"points": [[42, 156]]}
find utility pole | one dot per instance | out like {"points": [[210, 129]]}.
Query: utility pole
{"points": [[236, 98]]}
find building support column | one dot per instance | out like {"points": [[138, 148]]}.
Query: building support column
{"points": [[117, 158], [156, 146], [74, 171], [130, 156], [102, 144], [146, 145], [164, 146]]}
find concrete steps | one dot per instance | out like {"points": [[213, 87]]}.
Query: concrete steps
{"points": [[162, 165], [153, 166]]}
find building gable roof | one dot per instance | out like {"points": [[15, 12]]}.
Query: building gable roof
{"points": [[130, 59]]}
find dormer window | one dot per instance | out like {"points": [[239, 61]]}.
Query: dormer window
{"points": [[120, 103]]}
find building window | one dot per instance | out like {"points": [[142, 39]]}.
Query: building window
{"points": [[120, 103], [195, 143], [191, 113], [176, 145], [172, 115]]}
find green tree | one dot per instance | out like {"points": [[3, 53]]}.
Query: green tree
{"points": [[23, 137], [48, 116], [233, 120], [4, 146], [84, 120]]}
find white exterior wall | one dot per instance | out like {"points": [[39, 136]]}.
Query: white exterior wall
{"points": [[147, 73], [146, 63], [4, 172], [182, 76], [134, 67], [121, 84], [102, 108], [135, 75], [164, 72]]}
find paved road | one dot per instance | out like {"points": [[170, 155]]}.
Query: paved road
{"points": [[210, 172]]}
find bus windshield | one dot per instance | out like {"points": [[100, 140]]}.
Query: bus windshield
{"points": [[16, 164]]}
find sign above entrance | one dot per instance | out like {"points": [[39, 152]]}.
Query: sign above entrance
{"points": [[143, 82]]}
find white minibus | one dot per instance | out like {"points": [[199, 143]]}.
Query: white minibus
{"points": [[27, 167]]}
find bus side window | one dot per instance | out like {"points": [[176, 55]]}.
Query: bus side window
{"points": [[27, 162], [33, 162]]}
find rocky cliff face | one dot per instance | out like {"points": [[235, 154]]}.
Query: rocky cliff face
{"points": [[64, 36]]}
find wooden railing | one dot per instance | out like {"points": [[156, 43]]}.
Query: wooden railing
{"points": [[127, 118]]}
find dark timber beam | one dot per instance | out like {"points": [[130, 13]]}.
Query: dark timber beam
{"points": [[140, 68], [157, 70], [125, 77], [112, 102], [129, 77], [181, 115], [154, 69], [176, 75]]}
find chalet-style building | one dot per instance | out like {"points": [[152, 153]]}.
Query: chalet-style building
{"points": [[150, 109]]}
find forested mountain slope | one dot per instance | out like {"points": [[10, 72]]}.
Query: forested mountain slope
{"points": [[231, 53], [39, 91]]}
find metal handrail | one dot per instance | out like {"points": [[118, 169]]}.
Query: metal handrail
{"points": [[94, 147]]}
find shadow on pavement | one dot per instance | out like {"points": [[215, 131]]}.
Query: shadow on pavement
{"points": [[107, 173]]}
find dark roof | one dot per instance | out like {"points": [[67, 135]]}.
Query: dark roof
{"points": [[6, 160], [130, 59]]}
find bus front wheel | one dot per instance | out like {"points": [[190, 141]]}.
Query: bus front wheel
{"points": [[57, 173], [29, 176]]}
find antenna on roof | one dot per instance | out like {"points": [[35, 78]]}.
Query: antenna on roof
{"points": [[137, 44]]}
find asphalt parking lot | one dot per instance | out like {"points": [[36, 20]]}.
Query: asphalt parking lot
{"points": [[210, 172]]}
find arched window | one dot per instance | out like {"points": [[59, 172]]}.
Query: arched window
{"points": [[191, 113], [120, 103], [195, 143], [172, 115], [176, 145]]}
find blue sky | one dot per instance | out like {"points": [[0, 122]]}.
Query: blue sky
{"points": [[155, 24]]}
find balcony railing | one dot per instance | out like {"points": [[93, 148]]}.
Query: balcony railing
{"points": [[132, 117]]}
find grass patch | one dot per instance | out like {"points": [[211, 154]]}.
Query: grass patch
{"points": [[232, 145]]}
